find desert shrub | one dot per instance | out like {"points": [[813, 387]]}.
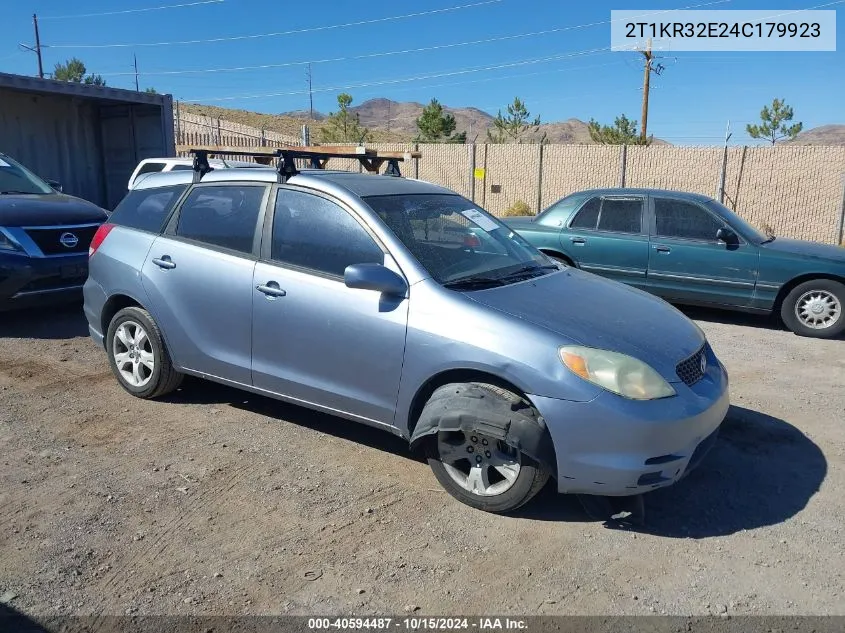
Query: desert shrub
{"points": [[516, 209]]}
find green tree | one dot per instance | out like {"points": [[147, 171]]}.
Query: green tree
{"points": [[74, 70], [774, 123], [513, 127], [343, 126], [436, 126], [622, 132], [151, 90]]}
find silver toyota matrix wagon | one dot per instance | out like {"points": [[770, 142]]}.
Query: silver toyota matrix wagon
{"points": [[400, 304]]}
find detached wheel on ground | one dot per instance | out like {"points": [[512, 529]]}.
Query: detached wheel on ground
{"points": [[815, 308], [137, 355], [479, 470]]}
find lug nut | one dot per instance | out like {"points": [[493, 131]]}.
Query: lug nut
{"points": [[474, 439], [478, 458], [470, 449], [484, 442], [487, 453]]}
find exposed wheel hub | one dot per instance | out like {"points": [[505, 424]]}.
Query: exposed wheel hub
{"points": [[480, 465]]}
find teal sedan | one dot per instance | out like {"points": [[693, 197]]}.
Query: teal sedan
{"points": [[690, 249]]}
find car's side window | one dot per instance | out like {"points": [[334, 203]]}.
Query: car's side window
{"points": [[678, 218], [621, 215], [147, 209], [588, 216], [315, 233], [224, 216], [149, 168]]}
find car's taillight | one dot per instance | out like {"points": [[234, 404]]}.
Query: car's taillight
{"points": [[471, 240], [99, 236]]}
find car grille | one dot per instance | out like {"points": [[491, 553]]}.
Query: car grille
{"points": [[690, 370], [50, 240]]}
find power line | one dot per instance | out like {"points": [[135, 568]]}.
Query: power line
{"points": [[423, 49], [414, 78], [95, 15], [291, 32]]}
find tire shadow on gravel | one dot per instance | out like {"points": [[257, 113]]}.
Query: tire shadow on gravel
{"points": [[13, 620], [61, 321], [197, 391], [761, 471]]}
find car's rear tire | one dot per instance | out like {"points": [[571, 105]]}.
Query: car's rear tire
{"points": [[137, 355], [815, 308], [479, 470]]}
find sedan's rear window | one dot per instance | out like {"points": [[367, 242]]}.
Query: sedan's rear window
{"points": [[147, 209]]}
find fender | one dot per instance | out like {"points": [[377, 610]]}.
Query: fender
{"points": [[473, 408]]}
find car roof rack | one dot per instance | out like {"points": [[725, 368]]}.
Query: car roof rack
{"points": [[285, 158]]}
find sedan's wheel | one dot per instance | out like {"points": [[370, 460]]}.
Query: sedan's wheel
{"points": [[137, 355], [477, 469], [815, 308]]}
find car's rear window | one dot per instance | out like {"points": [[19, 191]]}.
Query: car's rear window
{"points": [[147, 209]]}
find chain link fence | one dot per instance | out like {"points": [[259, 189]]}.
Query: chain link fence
{"points": [[796, 191]]}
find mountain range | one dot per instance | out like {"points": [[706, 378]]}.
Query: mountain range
{"points": [[395, 121]]}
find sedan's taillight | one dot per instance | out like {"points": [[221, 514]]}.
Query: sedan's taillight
{"points": [[99, 236]]}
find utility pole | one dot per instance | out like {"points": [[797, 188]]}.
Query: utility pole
{"points": [[37, 48], [310, 95], [646, 77], [135, 59]]}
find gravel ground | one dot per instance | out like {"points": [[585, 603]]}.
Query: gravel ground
{"points": [[215, 501]]}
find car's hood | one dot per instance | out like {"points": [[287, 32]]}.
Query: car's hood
{"points": [[47, 209], [807, 249], [590, 310]]}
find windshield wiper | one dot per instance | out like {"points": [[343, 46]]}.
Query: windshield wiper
{"points": [[13, 192], [522, 272], [771, 238], [473, 282]]}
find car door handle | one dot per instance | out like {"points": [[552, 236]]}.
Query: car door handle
{"points": [[662, 249], [271, 289], [164, 262], [578, 240]]}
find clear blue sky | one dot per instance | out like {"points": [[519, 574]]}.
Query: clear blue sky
{"points": [[690, 102]]}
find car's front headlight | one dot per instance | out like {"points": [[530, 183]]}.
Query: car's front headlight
{"points": [[621, 374], [6, 243]]}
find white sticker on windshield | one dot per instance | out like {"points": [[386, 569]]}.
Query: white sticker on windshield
{"points": [[3, 163], [485, 223]]}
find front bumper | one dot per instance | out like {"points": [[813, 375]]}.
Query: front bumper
{"points": [[612, 446], [32, 281]]}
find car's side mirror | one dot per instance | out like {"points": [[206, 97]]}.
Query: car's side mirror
{"points": [[55, 184], [374, 277], [726, 235]]}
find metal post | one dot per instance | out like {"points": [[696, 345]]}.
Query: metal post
{"points": [[219, 139], [416, 162], [306, 136], [841, 231], [484, 181], [471, 150], [623, 165], [723, 174], [178, 125], [540, 178]]}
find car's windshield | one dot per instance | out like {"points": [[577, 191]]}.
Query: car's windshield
{"points": [[743, 226], [458, 243], [15, 178]]}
